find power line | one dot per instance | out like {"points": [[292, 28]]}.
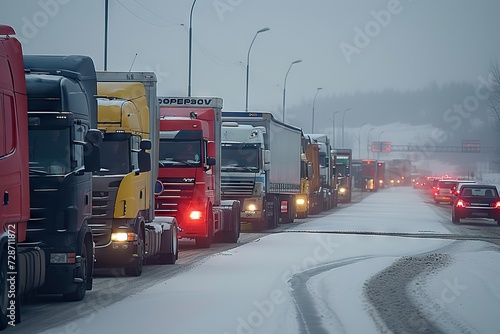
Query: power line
{"points": [[146, 21]]}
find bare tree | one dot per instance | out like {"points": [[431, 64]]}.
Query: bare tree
{"points": [[495, 92], [494, 106]]}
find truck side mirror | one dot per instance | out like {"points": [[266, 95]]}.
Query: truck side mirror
{"points": [[211, 161], [94, 136], [91, 157], [144, 157], [145, 144], [210, 150], [266, 157], [144, 161]]}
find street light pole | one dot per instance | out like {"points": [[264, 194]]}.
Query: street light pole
{"points": [[284, 85], [334, 130], [343, 121], [106, 19], [368, 142], [248, 64], [190, 46], [359, 141], [314, 102]]}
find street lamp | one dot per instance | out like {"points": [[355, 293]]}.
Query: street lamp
{"points": [[314, 102], [284, 85], [190, 46], [248, 64], [343, 121], [334, 130], [380, 145], [368, 142], [359, 141]]}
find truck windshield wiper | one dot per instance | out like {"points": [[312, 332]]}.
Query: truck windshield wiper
{"points": [[36, 171]]}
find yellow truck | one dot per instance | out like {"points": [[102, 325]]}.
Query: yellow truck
{"points": [[309, 200], [125, 230]]}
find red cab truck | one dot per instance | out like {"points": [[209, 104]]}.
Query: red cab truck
{"points": [[189, 171]]}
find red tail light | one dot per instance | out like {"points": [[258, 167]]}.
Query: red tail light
{"points": [[497, 205], [460, 204]]}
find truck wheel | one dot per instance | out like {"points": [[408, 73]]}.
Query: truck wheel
{"points": [[274, 221], [4, 291], [207, 241], [135, 268], [84, 271], [233, 235], [170, 258]]}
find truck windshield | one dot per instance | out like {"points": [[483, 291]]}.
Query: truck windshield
{"points": [[244, 157], [179, 153], [115, 157], [49, 151]]}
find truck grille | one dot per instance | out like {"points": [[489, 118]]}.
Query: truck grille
{"points": [[104, 197], [235, 187], [175, 191]]}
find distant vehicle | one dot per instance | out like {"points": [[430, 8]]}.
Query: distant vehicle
{"points": [[442, 193], [420, 183], [398, 172], [369, 174], [477, 201], [343, 170], [455, 191]]}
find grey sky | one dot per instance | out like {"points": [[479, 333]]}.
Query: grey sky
{"points": [[422, 41]]}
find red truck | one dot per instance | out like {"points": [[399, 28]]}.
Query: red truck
{"points": [[369, 174], [190, 171]]}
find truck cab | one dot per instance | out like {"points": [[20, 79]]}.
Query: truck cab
{"points": [[63, 152]]}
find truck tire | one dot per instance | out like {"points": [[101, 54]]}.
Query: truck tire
{"points": [[206, 241], [275, 218], [135, 268], [233, 235], [4, 291], [170, 258], [81, 287]]}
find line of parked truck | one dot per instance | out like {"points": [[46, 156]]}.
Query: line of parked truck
{"points": [[97, 171]]}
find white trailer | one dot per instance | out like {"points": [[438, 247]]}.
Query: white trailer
{"points": [[267, 186]]}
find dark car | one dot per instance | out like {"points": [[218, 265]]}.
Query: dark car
{"points": [[476, 201], [442, 192]]}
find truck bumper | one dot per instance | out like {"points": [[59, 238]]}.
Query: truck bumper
{"points": [[115, 254], [59, 279]]}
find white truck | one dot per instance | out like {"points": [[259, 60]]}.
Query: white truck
{"points": [[261, 167], [125, 229]]}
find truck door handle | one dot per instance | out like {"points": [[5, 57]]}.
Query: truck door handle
{"points": [[5, 198]]}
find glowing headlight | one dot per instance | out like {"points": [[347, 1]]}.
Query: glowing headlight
{"points": [[342, 190], [195, 215], [123, 236], [251, 207], [300, 201]]}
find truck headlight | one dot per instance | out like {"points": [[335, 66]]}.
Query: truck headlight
{"points": [[342, 190], [123, 236], [300, 201], [62, 257], [251, 207]]}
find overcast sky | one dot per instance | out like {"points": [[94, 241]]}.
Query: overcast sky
{"points": [[345, 46]]}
